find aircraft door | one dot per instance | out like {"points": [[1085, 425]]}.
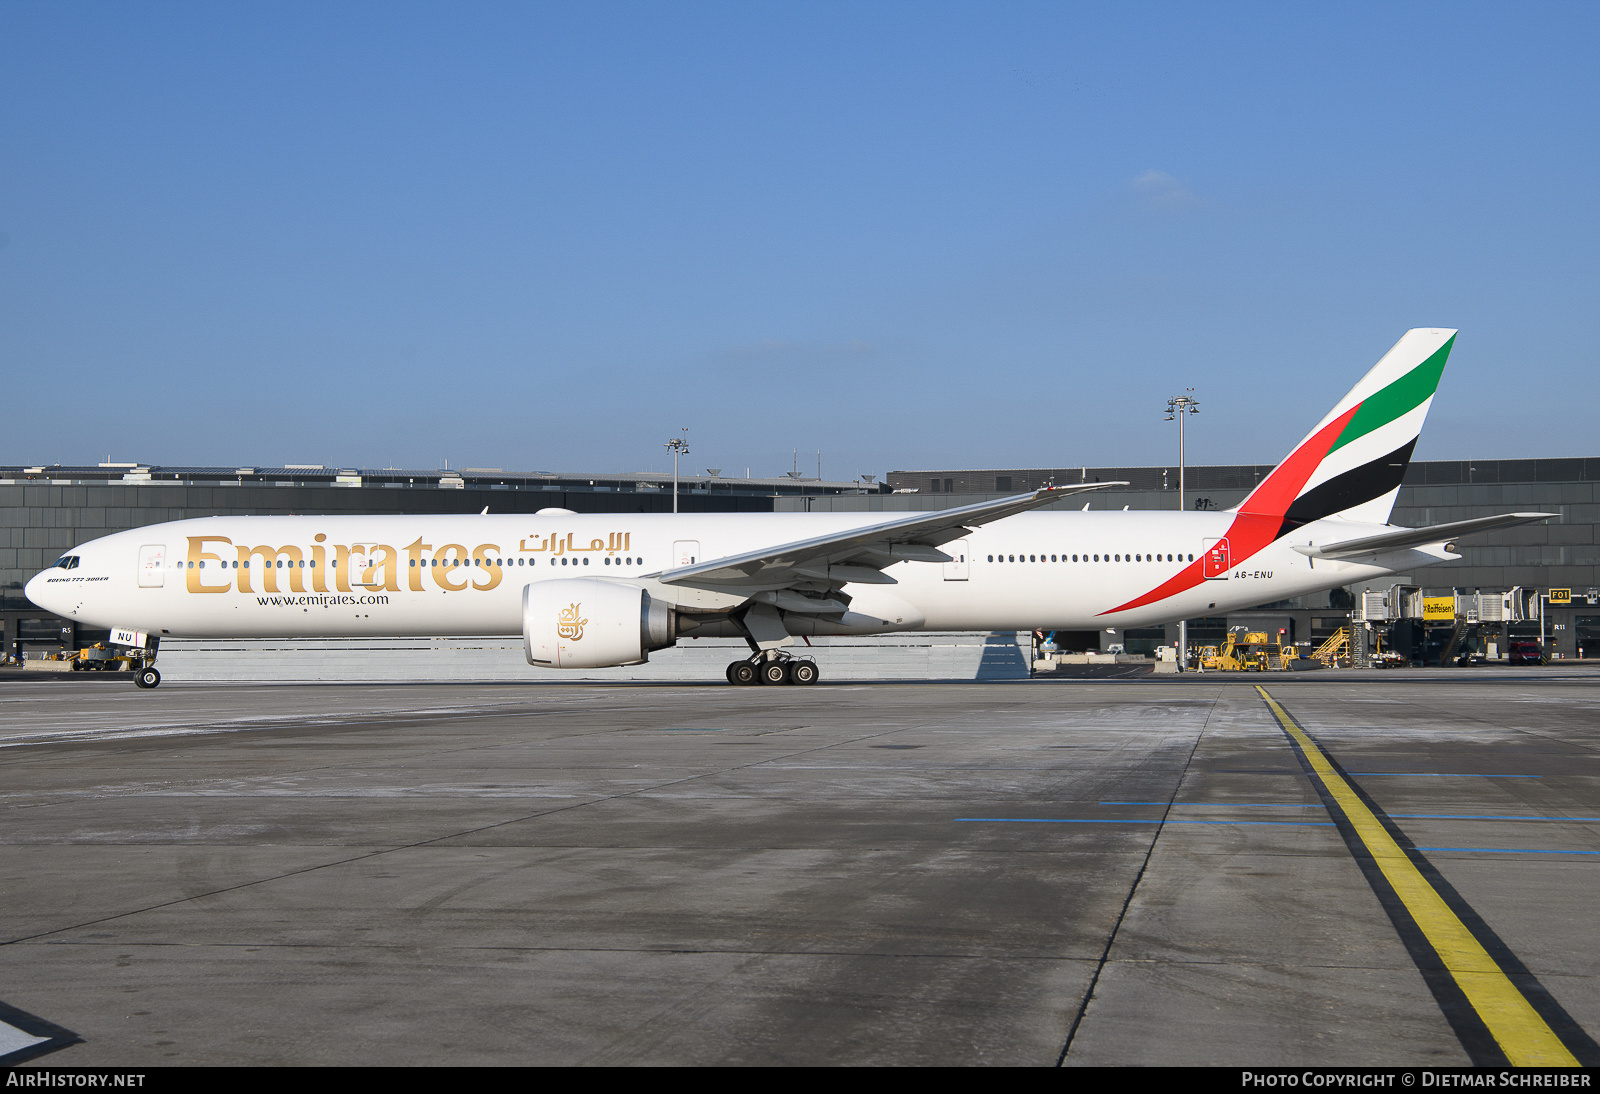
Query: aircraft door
{"points": [[1215, 563], [956, 568], [685, 552], [152, 565]]}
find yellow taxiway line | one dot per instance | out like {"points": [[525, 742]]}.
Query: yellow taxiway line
{"points": [[1523, 1035]]}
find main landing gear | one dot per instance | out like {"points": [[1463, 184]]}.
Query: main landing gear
{"points": [[773, 667]]}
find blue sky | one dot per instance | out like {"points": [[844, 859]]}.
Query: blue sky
{"points": [[911, 235]]}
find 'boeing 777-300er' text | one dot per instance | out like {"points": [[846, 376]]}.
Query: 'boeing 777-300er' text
{"points": [[593, 591]]}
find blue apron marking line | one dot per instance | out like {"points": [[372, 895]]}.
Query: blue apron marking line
{"points": [[1509, 850], [1440, 775]]}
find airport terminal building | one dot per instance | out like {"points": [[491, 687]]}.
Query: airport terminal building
{"points": [[46, 510]]}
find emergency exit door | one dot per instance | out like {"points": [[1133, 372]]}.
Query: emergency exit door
{"points": [[1215, 563], [152, 566], [685, 552], [956, 568]]}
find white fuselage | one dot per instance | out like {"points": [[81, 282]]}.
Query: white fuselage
{"points": [[220, 577]]}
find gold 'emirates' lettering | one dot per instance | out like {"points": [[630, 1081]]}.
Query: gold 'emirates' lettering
{"points": [[198, 557], [342, 564], [614, 542], [443, 570], [417, 553], [361, 566], [488, 569], [382, 559], [269, 568], [319, 565]]}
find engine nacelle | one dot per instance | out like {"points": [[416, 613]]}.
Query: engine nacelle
{"points": [[586, 623]]}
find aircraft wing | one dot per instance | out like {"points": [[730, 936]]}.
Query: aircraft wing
{"points": [[1402, 538], [858, 554]]}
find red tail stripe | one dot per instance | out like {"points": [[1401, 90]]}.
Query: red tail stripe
{"points": [[1260, 516], [1184, 579], [1273, 497]]}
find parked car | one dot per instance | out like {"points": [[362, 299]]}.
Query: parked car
{"points": [[1525, 651]]}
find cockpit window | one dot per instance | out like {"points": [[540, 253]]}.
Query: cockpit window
{"points": [[67, 562]]}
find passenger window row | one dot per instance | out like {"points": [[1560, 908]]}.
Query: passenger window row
{"points": [[504, 562], [236, 564], [564, 561], [71, 563]]}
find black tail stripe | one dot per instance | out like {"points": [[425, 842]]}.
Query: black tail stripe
{"points": [[1359, 484]]}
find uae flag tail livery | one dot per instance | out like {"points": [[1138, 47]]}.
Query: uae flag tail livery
{"points": [[1347, 468], [1351, 464]]}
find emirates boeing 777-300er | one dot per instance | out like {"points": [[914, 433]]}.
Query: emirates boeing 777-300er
{"points": [[595, 591]]}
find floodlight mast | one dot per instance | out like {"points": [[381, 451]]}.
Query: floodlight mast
{"points": [[680, 447], [1177, 406]]}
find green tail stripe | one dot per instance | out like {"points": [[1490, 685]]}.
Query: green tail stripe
{"points": [[1405, 394]]}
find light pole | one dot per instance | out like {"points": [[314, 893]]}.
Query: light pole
{"points": [[1176, 407], [680, 447]]}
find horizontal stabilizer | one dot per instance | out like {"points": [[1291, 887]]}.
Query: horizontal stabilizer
{"points": [[1401, 538]]}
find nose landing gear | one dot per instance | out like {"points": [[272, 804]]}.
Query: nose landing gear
{"points": [[773, 667], [143, 654]]}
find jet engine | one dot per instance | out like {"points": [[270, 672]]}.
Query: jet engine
{"points": [[585, 623]]}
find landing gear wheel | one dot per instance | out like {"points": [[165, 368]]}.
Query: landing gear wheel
{"points": [[802, 672], [774, 672], [146, 678], [741, 672]]}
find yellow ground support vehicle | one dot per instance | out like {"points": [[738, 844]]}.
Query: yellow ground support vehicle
{"points": [[100, 658], [1248, 651]]}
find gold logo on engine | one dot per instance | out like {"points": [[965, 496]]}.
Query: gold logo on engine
{"points": [[568, 625]]}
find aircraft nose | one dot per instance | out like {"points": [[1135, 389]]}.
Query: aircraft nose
{"points": [[37, 591]]}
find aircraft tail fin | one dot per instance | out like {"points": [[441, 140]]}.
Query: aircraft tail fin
{"points": [[1351, 464]]}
